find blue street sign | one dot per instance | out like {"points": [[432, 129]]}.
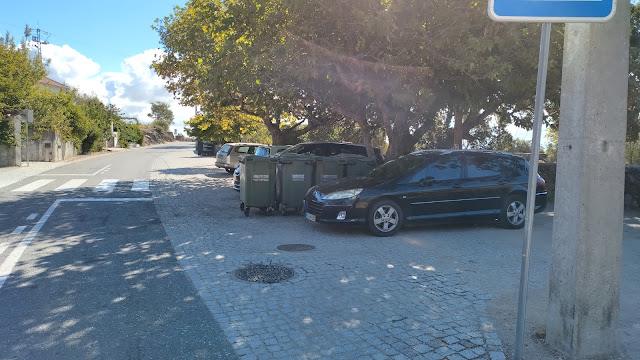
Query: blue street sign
{"points": [[552, 10]]}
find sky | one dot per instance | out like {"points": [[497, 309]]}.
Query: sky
{"points": [[102, 48]]}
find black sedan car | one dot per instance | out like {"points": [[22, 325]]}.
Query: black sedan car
{"points": [[430, 184]]}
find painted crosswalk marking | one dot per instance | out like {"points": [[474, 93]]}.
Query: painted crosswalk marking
{"points": [[71, 185], [106, 185], [18, 230], [32, 216], [3, 247], [140, 185], [34, 185]]}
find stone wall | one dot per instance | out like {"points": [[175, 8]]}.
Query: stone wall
{"points": [[631, 186], [10, 155], [51, 147]]}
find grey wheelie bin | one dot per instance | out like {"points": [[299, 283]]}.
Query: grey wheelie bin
{"points": [[257, 183], [328, 169], [358, 165], [294, 176]]}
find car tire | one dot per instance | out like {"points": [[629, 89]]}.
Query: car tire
{"points": [[385, 218], [512, 213]]}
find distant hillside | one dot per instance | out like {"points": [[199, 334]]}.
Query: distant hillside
{"points": [[156, 136]]}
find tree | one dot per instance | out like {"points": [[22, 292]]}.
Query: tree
{"points": [[387, 65], [162, 116], [212, 50], [18, 75], [633, 97]]}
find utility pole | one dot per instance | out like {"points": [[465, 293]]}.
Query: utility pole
{"points": [[39, 42]]}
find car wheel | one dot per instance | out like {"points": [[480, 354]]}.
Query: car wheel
{"points": [[385, 218], [229, 170], [513, 212]]}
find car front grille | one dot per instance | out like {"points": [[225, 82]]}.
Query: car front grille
{"points": [[314, 207]]}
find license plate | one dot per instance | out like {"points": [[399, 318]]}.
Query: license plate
{"points": [[310, 217]]}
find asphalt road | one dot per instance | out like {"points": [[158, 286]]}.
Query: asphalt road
{"points": [[87, 270]]}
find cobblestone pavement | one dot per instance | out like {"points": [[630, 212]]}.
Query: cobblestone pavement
{"points": [[354, 296]]}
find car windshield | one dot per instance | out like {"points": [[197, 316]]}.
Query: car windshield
{"points": [[225, 149], [400, 167]]}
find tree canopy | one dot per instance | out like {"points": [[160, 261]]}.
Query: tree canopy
{"points": [[18, 75], [162, 115], [408, 69]]}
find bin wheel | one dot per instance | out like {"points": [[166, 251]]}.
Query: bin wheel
{"points": [[246, 211], [241, 206]]}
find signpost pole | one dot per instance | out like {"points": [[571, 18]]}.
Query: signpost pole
{"points": [[29, 119], [543, 62]]}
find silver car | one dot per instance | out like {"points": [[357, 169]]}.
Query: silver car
{"points": [[229, 154]]}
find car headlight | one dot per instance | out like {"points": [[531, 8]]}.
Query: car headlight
{"points": [[344, 194]]}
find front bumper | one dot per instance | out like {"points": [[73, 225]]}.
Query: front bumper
{"points": [[328, 211]]}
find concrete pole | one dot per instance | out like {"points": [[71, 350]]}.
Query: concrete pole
{"points": [[584, 289]]}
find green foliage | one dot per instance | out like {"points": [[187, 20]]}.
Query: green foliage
{"points": [[222, 126], [632, 152], [387, 65], [502, 141], [633, 97], [162, 116], [6, 133], [128, 132], [551, 148], [18, 75]]}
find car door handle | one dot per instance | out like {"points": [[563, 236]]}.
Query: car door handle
{"points": [[502, 182], [457, 186]]}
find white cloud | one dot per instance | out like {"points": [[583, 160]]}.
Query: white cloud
{"points": [[133, 89]]}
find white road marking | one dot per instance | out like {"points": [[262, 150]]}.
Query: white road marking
{"points": [[71, 185], [140, 185], [18, 230], [104, 169], [35, 185], [106, 185], [4, 247], [7, 266], [32, 216]]}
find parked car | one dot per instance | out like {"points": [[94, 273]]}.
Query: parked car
{"points": [[228, 155], [430, 184], [332, 149], [264, 150]]}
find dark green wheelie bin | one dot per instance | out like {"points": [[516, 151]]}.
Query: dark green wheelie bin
{"points": [[328, 169], [294, 176], [358, 165], [257, 183]]}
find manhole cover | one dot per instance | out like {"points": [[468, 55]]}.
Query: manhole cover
{"points": [[296, 247], [266, 274]]}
